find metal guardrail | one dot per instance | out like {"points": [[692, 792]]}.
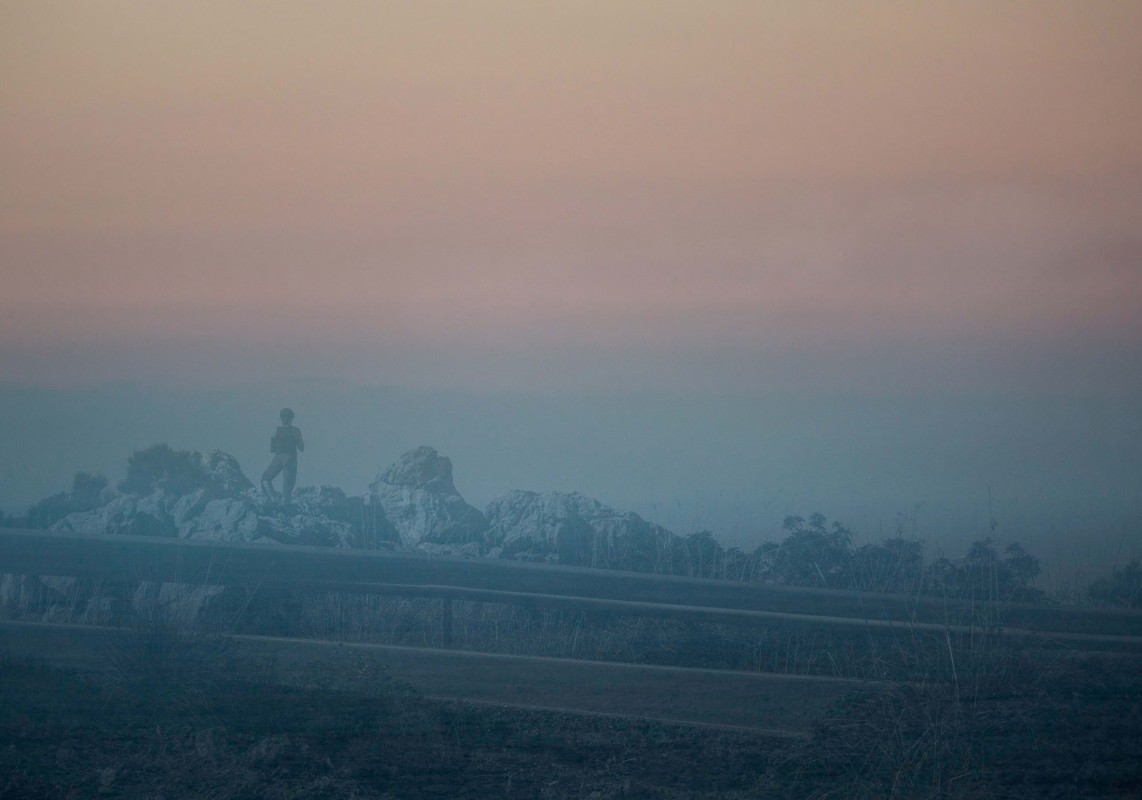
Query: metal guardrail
{"points": [[765, 703], [274, 568]]}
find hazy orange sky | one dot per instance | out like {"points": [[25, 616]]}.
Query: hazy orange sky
{"points": [[510, 193]]}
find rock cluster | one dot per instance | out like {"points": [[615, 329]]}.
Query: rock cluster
{"points": [[319, 516], [570, 528], [417, 497], [412, 505]]}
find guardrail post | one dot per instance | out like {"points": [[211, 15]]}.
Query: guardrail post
{"points": [[446, 623]]}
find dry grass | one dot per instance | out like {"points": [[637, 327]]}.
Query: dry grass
{"points": [[958, 715], [982, 718], [166, 659], [874, 654]]}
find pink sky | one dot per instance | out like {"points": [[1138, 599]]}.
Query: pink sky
{"points": [[436, 193]]}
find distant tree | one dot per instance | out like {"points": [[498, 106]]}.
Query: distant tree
{"points": [[84, 496], [813, 553], [162, 467], [738, 565], [984, 575], [817, 553], [895, 566], [1020, 569], [699, 555], [87, 488], [1122, 588], [50, 510]]}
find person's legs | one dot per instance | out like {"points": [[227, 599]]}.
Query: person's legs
{"points": [[289, 478], [277, 464]]}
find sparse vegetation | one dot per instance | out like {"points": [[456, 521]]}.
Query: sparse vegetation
{"points": [[953, 717], [87, 492], [993, 721], [498, 628], [1122, 588], [65, 735], [816, 553], [984, 575], [812, 554], [990, 721], [894, 566], [162, 467], [164, 655]]}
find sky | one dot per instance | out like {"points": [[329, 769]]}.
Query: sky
{"points": [[746, 229]]}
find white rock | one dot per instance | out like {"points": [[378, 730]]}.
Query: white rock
{"points": [[126, 514], [224, 521], [419, 500], [571, 528], [187, 507]]}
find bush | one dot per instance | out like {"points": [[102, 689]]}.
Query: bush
{"points": [[1122, 588], [699, 555], [813, 554], [162, 467], [164, 659], [983, 575], [953, 726], [893, 566], [817, 553], [84, 496]]}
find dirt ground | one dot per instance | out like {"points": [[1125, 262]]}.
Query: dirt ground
{"points": [[63, 735], [1076, 733]]}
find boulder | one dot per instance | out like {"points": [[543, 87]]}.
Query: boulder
{"points": [[148, 515], [226, 476], [322, 516], [221, 504], [417, 497], [412, 505], [571, 528], [223, 520]]}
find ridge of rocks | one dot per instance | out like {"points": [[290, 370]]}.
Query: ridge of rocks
{"points": [[411, 505]]}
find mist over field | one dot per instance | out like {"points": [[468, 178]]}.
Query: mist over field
{"points": [[716, 265], [1057, 474]]}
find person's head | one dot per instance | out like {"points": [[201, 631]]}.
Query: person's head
{"points": [[287, 416]]}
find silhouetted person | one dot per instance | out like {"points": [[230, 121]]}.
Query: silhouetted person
{"points": [[285, 445]]}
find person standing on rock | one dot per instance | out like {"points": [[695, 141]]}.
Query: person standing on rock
{"points": [[285, 445]]}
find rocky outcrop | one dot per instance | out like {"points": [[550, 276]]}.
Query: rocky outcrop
{"points": [[418, 499], [322, 516], [227, 519], [195, 515], [412, 505], [571, 528], [148, 515], [224, 506], [226, 476]]}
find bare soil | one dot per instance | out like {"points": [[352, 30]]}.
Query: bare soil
{"points": [[1074, 731], [64, 735]]}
